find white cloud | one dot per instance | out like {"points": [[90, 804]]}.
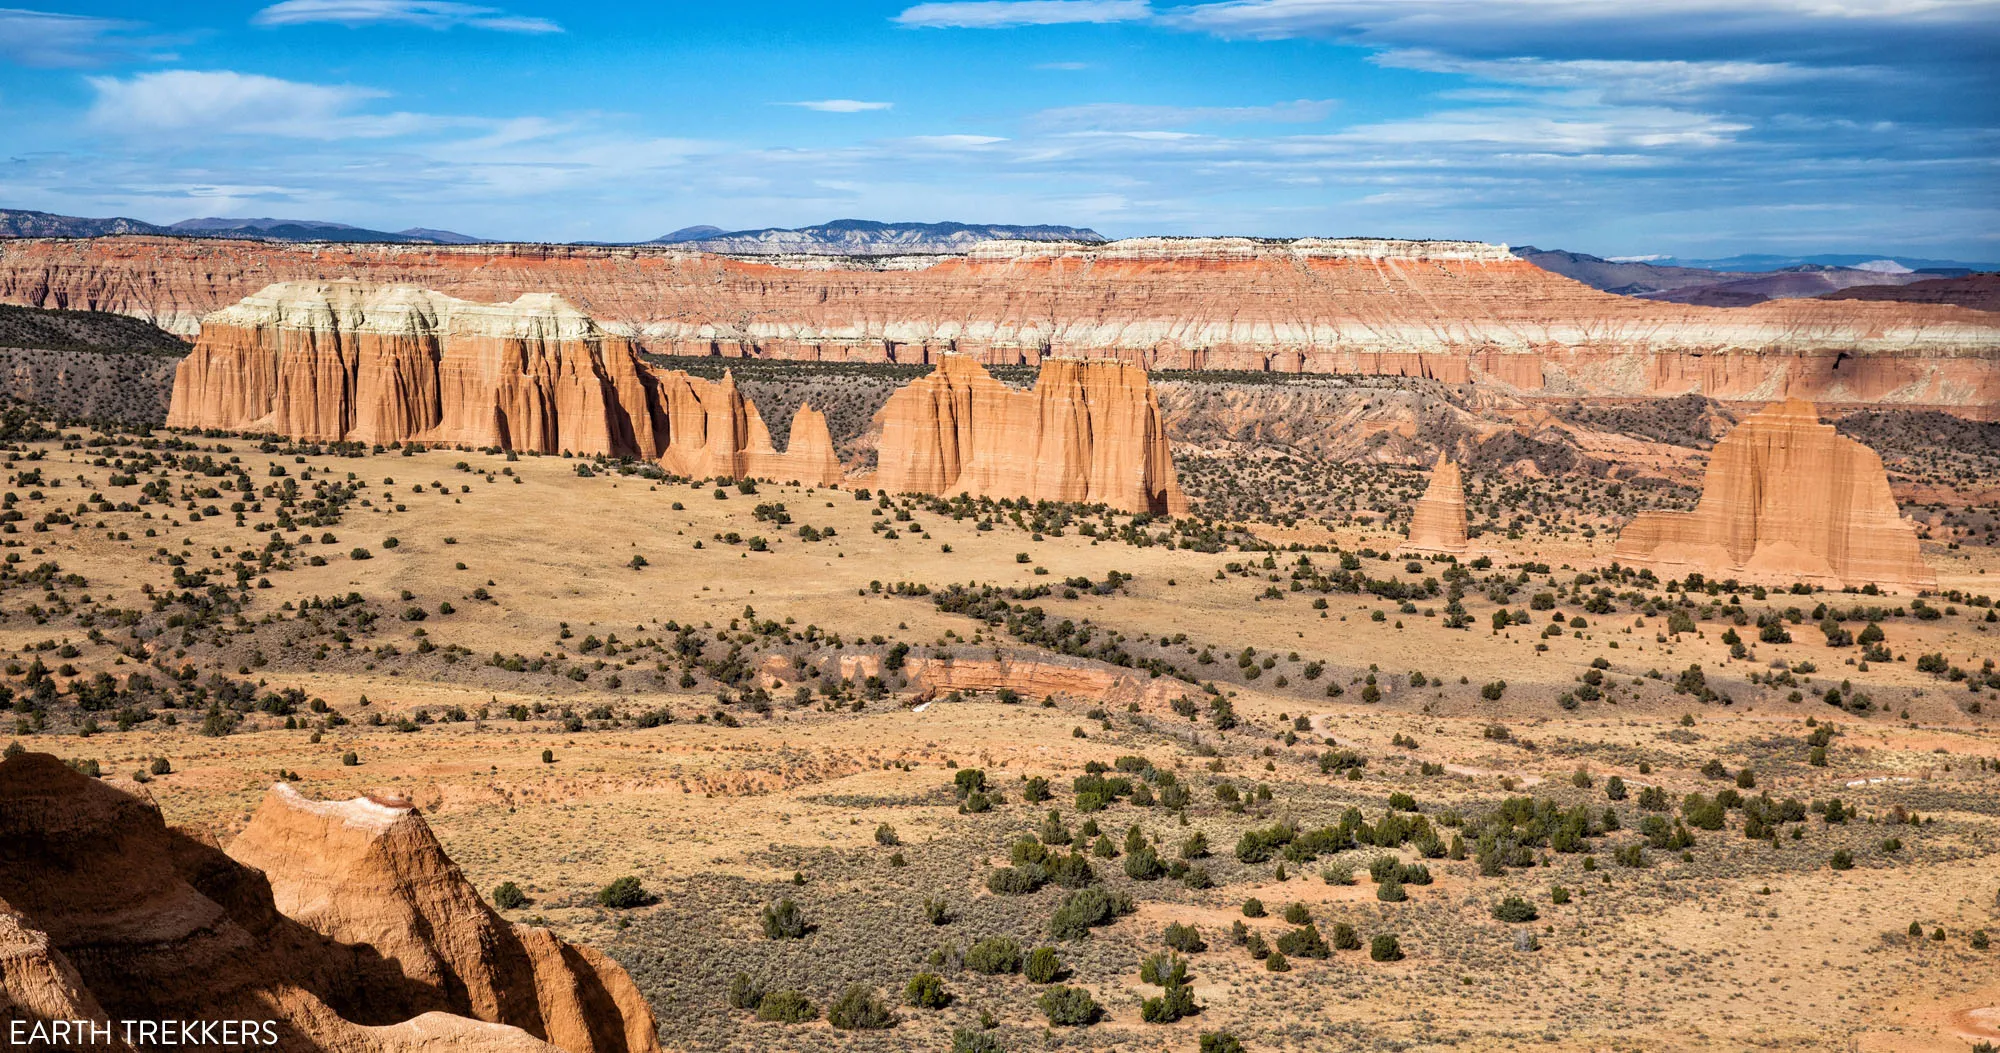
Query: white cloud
{"points": [[954, 141], [1625, 76], [46, 38], [221, 102], [840, 105], [1002, 14], [1114, 115], [429, 14], [1467, 19]]}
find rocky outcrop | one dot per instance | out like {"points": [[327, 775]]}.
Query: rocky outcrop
{"points": [[106, 914], [716, 431], [1437, 523], [346, 362], [1454, 311], [1090, 431], [1036, 678], [1786, 499], [368, 872]]}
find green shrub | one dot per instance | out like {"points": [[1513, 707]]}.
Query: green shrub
{"points": [[786, 1007], [926, 991], [1086, 909], [1067, 1006], [966, 1040], [1384, 948], [508, 896], [1184, 938], [1345, 938], [744, 992], [993, 956], [1297, 914], [1514, 909], [624, 894], [859, 1008], [1218, 1042], [1044, 966], [1253, 907], [1304, 942], [1175, 1002], [784, 920]]}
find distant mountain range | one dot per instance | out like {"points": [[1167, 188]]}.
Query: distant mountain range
{"points": [[863, 237], [1662, 278], [24, 223]]}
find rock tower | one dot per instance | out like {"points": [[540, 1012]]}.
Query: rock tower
{"points": [[1786, 499], [1437, 524], [1090, 431]]}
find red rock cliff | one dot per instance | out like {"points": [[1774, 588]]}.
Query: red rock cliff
{"points": [[344, 361], [1450, 310], [106, 914], [1786, 499], [1090, 431]]}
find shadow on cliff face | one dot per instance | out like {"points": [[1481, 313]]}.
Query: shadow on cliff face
{"points": [[147, 922]]}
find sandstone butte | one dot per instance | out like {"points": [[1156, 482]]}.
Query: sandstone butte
{"points": [[1437, 523], [1786, 499], [342, 361], [1090, 431], [1455, 311], [351, 931]]}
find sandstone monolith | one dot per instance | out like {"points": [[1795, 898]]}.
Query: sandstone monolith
{"points": [[1786, 499], [1437, 523], [106, 914], [716, 431], [1090, 431], [369, 872]]}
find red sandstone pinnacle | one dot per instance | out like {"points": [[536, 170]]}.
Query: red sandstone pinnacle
{"points": [[1437, 523], [1090, 431], [107, 915], [1786, 499]]}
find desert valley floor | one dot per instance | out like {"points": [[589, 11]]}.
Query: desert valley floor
{"points": [[1594, 814]]}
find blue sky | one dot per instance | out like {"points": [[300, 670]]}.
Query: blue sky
{"points": [[1620, 127]]}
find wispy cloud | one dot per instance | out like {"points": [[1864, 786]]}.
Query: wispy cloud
{"points": [[48, 39], [428, 14], [953, 142], [840, 105], [1101, 116], [1003, 14], [222, 102]]}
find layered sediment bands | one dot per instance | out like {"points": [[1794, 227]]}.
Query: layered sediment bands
{"points": [[106, 914], [1090, 431], [715, 431], [1453, 311], [345, 362], [1437, 523], [369, 872], [1786, 499]]}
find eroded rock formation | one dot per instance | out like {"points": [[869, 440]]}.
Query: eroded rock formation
{"points": [[1437, 523], [1455, 311], [1786, 499], [1090, 431], [107, 914], [717, 432], [342, 361]]}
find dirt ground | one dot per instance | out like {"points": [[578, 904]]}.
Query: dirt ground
{"points": [[762, 763]]}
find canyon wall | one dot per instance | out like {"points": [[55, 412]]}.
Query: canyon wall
{"points": [[1458, 312], [1090, 431], [373, 943], [1786, 499], [341, 361], [1437, 523]]}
